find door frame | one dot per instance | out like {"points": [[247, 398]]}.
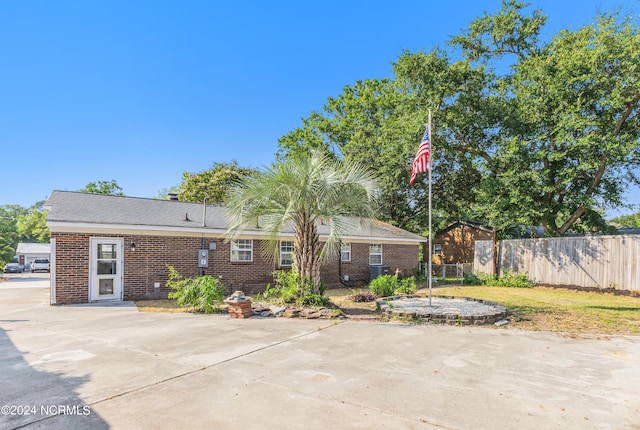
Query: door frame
{"points": [[118, 290], [52, 272]]}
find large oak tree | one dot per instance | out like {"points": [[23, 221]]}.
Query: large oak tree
{"points": [[525, 132]]}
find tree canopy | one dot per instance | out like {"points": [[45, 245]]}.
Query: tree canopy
{"points": [[627, 221], [103, 187], [214, 183], [8, 234], [526, 132], [32, 225], [19, 224]]}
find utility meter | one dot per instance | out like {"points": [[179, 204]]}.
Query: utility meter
{"points": [[203, 258]]}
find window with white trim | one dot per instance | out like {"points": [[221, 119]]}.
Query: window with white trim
{"points": [[345, 252], [375, 254], [286, 253], [242, 250], [437, 249]]}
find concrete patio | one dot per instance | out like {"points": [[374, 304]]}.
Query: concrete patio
{"points": [[115, 367]]}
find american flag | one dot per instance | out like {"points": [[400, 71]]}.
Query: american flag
{"points": [[421, 162]]}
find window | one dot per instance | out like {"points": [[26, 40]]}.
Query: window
{"points": [[375, 254], [286, 253], [437, 249], [242, 250], [345, 252], [106, 259]]}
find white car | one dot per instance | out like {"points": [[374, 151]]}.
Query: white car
{"points": [[40, 265]]}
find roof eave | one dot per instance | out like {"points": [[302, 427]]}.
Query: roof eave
{"points": [[100, 228]]}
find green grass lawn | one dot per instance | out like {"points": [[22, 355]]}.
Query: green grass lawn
{"points": [[571, 311]]}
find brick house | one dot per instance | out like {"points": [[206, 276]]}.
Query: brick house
{"points": [[456, 242], [117, 248]]}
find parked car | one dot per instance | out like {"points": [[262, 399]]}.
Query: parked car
{"points": [[12, 268], [40, 265]]}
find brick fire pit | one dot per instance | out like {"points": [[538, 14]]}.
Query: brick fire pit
{"points": [[239, 305]]}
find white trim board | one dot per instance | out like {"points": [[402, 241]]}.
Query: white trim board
{"points": [[89, 228]]}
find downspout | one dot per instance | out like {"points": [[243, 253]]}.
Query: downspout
{"points": [[204, 224]]}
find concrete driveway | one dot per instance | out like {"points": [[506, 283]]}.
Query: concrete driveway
{"points": [[96, 366]]}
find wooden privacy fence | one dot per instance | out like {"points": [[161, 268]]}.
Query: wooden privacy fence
{"points": [[483, 257], [591, 261]]}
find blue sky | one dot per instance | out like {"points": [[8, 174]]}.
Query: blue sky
{"points": [[142, 91]]}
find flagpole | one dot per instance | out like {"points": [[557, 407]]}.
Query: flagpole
{"points": [[430, 253]]}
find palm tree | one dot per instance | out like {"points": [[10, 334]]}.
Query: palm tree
{"points": [[304, 191]]}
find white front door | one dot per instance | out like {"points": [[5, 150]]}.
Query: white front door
{"points": [[105, 270]]}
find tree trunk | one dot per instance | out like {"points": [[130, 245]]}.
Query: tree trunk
{"points": [[306, 252]]}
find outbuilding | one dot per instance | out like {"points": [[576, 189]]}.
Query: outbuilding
{"points": [[107, 247], [27, 252], [455, 244]]}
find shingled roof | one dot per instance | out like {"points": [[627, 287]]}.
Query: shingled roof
{"points": [[466, 223], [83, 210], [33, 248]]}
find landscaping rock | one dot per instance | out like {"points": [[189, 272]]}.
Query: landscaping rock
{"points": [[296, 312], [445, 310], [291, 313], [277, 310]]}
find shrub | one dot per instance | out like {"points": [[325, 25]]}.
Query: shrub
{"points": [[310, 298], [388, 285], [176, 280], [291, 288], [487, 278], [202, 294], [384, 285], [407, 286], [510, 279], [268, 294], [286, 285], [471, 279]]}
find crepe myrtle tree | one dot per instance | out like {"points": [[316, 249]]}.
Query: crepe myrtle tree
{"points": [[304, 190]]}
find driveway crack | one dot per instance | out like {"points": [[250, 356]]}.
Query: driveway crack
{"points": [[227, 360]]}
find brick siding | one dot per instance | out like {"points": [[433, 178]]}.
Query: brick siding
{"points": [[401, 258], [72, 268], [147, 265]]}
